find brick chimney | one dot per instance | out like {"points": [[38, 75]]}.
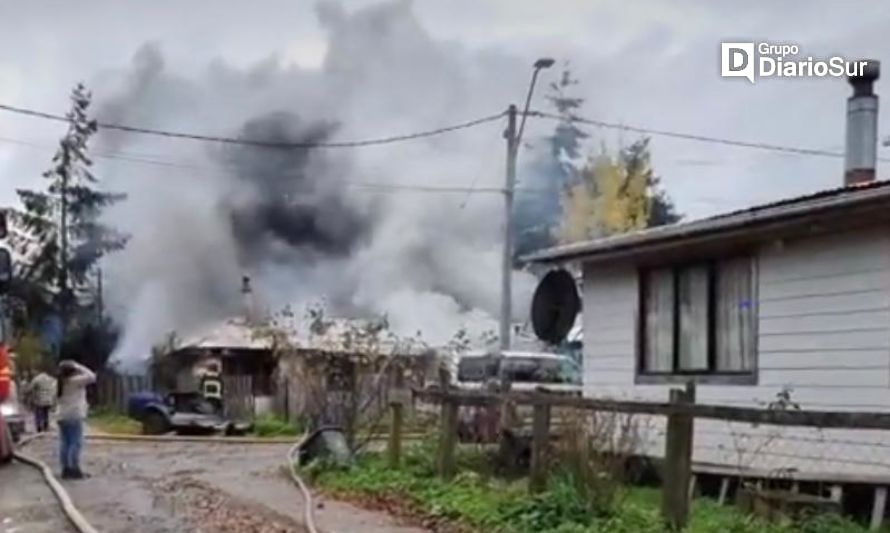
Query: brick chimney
{"points": [[862, 126]]}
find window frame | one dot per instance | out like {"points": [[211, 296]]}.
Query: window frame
{"points": [[677, 375]]}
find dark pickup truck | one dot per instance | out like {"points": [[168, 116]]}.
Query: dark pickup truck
{"points": [[184, 413]]}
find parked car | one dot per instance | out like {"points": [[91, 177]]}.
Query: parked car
{"points": [[183, 413], [526, 371], [13, 413], [6, 445]]}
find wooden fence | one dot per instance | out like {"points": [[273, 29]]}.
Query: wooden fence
{"points": [[680, 412], [320, 404], [238, 398], [112, 390]]}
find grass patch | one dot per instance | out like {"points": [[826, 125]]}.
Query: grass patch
{"points": [[474, 501], [113, 422], [269, 425]]}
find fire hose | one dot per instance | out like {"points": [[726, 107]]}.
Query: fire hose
{"points": [[80, 523], [293, 460], [71, 513]]}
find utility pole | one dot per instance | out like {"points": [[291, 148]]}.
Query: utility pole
{"points": [[513, 137], [63, 246], [507, 260], [100, 303]]}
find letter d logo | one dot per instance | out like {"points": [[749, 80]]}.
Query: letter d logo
{"points": [[737, 60]]}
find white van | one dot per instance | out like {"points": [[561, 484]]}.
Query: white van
{"points": [[526, 371]]}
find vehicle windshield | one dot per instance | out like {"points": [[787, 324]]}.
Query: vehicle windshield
{"points": [[477, 369]]}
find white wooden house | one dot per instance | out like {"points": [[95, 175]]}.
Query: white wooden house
{"points": [[792, 296], [785, 305]]}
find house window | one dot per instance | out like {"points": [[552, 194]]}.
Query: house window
{"points": [[698, 320]]}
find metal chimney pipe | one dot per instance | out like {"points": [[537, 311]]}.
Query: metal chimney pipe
{"points": [[247, 300], [862, 125]]}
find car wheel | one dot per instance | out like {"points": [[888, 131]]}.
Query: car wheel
{"points": [[154, 423], [6, 446]]}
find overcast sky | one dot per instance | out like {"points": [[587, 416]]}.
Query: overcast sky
{"points": [[652, 64]]}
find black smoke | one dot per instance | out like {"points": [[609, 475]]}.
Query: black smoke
{"points": [[294, 200]]}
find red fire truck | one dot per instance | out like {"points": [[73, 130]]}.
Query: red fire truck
{"points": [[6, 385], [6, 378]]}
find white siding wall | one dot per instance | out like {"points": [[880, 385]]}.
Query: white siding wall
{"points": [[823, 330]]}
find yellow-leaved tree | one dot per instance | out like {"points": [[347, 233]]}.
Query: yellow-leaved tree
{"points": [[30, 354], [616, 194]]}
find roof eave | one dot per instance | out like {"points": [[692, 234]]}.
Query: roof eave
{"points": [[708, 229]]}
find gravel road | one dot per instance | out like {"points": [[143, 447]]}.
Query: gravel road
{"points": [[201, 487]]}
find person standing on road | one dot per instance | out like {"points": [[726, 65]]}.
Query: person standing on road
{"points": [[73, 381], [42, 397]]}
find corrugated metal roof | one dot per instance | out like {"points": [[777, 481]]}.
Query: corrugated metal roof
{"points": [[232, 334], [236, 334], [750, 217]]}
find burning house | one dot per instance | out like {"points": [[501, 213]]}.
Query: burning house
{"points": [[230, 349], [298, 375]]}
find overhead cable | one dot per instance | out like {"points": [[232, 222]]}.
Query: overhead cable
{"points": [[258, 142]]}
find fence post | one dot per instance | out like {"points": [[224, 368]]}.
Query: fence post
{"points": [[395, 428], [540, 443], [677, 462], [132, 386], [448, 438]]}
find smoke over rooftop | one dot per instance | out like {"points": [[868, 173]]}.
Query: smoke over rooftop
{"points": [[289, 207], [303, 222]]}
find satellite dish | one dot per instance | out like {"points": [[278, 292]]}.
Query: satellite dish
{"points": [[555, 306]]}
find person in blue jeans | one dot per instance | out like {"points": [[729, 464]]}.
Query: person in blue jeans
{"points": [[73, 381]]}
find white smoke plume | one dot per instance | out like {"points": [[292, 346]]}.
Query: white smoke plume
{"points": [[305, 224]]}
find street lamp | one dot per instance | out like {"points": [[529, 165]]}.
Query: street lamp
{"points": [[513, 139], [540, 64]]}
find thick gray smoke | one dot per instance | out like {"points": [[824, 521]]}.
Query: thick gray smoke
{"points": [[312, 224], [291, 206]]}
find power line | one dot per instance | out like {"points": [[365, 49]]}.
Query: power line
{"points": [[259, 143], [692, 137], [208, 170], [437, 131]]}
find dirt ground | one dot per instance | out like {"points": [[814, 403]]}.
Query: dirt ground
{"points": [[186, 486]]}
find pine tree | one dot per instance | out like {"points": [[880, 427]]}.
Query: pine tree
{"points": [[539, 213], [567, 138], [654, 201], [58, 234]]}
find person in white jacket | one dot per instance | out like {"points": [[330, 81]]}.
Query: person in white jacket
{"points": [[72, 385]]}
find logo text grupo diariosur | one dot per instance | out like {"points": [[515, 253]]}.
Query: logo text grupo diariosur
{"points": [[763, 60]]}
